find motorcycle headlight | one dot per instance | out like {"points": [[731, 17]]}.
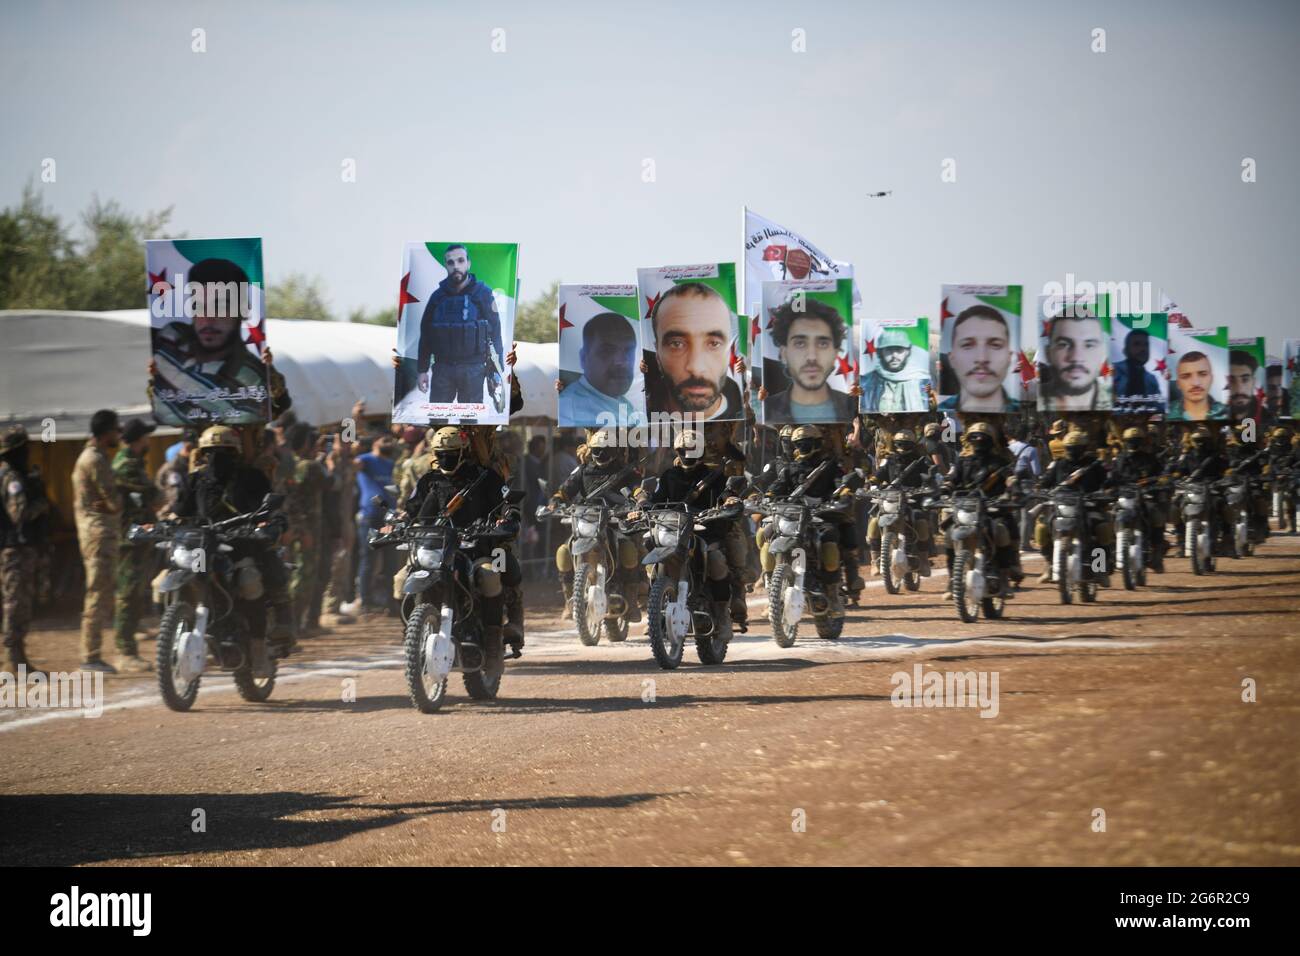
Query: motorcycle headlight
{"points": [[584, 528], [966, 517], [429, 558], [889, 506], [1067, 511], [788, 526], [184, 557], [666, 537]]}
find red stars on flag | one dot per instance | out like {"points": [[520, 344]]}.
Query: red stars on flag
{"points": [[256, 336], [564, 323], [404, 298], [1028, 371], [650, 303]]}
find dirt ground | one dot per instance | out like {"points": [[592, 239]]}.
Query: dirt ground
{"points": [[1127, 712]]}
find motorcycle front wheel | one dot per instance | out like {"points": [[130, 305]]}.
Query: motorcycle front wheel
{"points": [[588, 633], [888, 542], [176, 620], [667, 650], [967, 609], [427, 695], [784, 636]]}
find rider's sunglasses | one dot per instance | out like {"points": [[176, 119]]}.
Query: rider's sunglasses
{"points": [[806, 444]]}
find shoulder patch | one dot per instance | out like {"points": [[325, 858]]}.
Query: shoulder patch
{"points": [[14, 487]]}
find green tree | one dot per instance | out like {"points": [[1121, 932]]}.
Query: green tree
{"points": [[44, 266], [298, 296], [535, 319], [380, 316]]}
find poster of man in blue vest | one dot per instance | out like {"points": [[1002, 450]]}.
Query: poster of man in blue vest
{"points": [[456, 310]]}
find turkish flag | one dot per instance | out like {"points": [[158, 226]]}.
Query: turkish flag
{"points": [[798, 263], [774, 254]]}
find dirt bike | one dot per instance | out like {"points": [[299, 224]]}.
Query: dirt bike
{"points": [[215, 612], [598, 601], [1237, 499], [1200, 525], [1072, 544], [978, 584], [679, 605], [798, 526], [441, 606], [898, 511], [1135, 550]]}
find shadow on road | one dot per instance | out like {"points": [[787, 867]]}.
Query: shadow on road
{"points": [[78, 828]]}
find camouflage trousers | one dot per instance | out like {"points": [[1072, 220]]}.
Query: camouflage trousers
{"points": [[302, 582], [99, 555], [18, 587], [134, 565]]}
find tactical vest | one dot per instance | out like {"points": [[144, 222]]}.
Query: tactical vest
{"points": [[459, 331]]}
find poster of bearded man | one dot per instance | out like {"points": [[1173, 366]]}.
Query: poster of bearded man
{"points": [[455, 316], [1247, 371], [208, 332], [896, 366], [1074, 370], [690, 342], [809, 360], [981, 365], [1139, 351]]}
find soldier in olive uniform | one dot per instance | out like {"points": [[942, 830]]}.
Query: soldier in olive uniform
{"points": [[22, 531], [174, 476], [305, 490], [98, 507], [135, 561]]}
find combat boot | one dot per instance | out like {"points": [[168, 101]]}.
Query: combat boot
{"points": [[722, 619], [132, 664], [514, 629], [283, 633], [566, 584]]}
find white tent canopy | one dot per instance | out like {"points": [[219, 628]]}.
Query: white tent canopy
{"points": [[61, 366]]}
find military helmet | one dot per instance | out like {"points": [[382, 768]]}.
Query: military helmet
{"points": [[602, 447], [904, 441], [1077, 438], [14, 437], [1200, 437], [1059, 427], [933, 429], [1131, 434], [807, 441], [219, 436], [689, 444], [1278, 434], [449, 445], [979, 437]]}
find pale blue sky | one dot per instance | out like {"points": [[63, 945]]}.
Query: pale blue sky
{"points": [[1117, 166]]}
